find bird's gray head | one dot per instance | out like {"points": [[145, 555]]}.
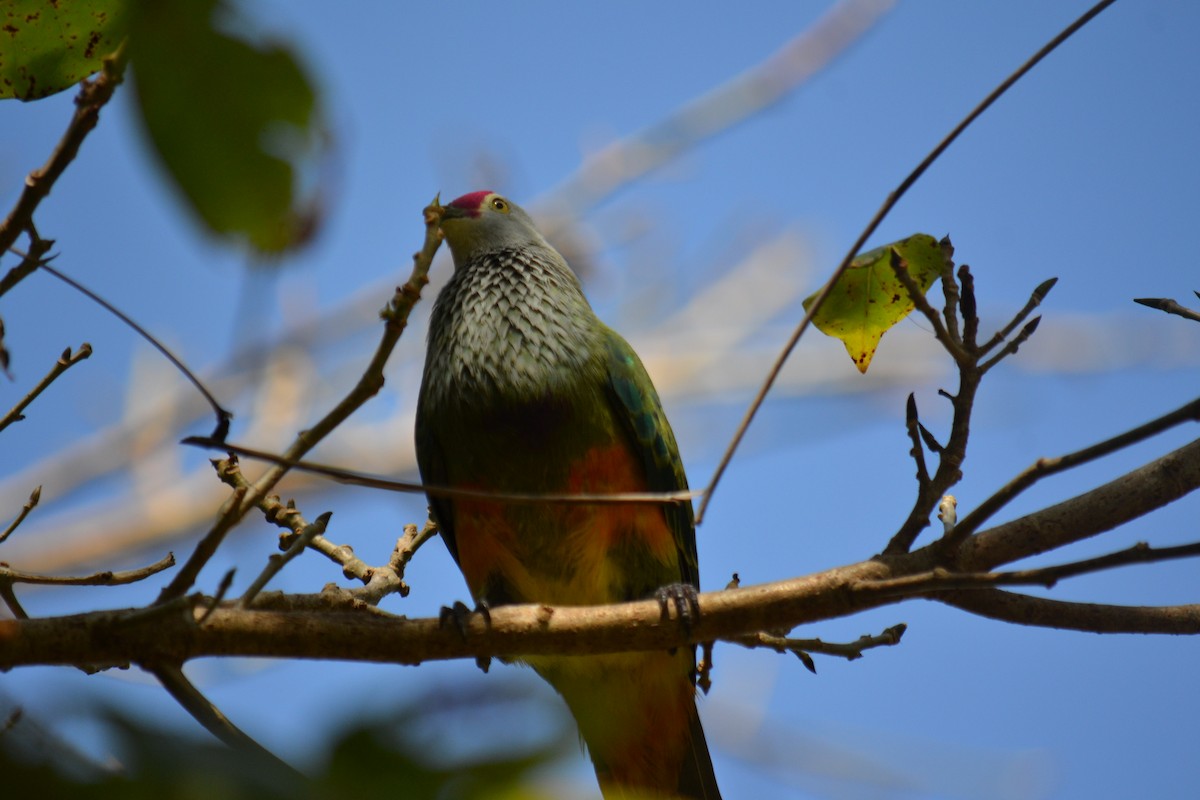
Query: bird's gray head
{"points": [[484, 222]]}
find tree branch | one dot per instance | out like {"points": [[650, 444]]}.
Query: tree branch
{"points": [[64, 363], [1135, 494], [1091, 617], [91, 98], [395, 317]]}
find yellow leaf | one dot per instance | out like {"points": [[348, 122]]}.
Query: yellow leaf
{"points": [[869, 299]]}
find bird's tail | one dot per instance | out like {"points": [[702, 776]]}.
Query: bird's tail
{"points": [[696, 777], [637, 715]]}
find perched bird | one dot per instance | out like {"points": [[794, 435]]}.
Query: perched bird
{"points": [[526, 390]]}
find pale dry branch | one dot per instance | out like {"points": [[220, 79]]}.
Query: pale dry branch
{"points": [[278, 561], [103, 578], [395, 319], [803, 648]]}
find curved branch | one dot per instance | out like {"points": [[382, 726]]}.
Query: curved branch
{"points": [[1091, 617], [1128, 497]]}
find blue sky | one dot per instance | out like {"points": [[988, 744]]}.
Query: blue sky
{"points": [[1086, 171]]}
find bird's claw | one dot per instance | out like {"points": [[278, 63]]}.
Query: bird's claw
{"points": [[686, 600], [459, 615]]}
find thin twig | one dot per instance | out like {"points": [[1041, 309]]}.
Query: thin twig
{"points": [[64, 362], [30, 504], [1035, 300], [222, 414], [10, 599], [390, 579], [1011, 347], [912, 424], [105, 578], [1170, 306], [967, 305], [940, 329], [203, 711], [855, 248], [215, 601], [395, 317], [207, 546], [91, 98], [376, 482], [940, 579], [1044, 467], [277, 561], [850, 651]]}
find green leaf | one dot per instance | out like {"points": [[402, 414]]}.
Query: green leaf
{"points": [[47, 47], [869, 299], [235, 122]]}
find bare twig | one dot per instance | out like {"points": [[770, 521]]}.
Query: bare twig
{"points": [[1170, 306], [913, 424], [215, 601], [1044, 467], [223, 415], [941, 331], [104, 578], [10, 599], [858, 244], [1011, 347], [1092, 617], [203, 711], [391, 579], [395, 317], [186, 577], [349, 477], [30, 504], [65, 362], [1135, 494], [91, 98], [278, 561], [803, 647], [939, 579], [1035, 300]]}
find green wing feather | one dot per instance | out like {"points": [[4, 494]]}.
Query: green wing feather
{"points": [[636, 405]]}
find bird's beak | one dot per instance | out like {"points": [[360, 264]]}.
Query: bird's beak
{"points": [[453, 212]]}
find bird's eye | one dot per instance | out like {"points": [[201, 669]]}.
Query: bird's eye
{"points": [[500, 205]]}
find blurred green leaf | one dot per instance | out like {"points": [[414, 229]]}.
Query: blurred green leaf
{"points": [[235, 121], [869, 299], [408, 753], [47, 47]]}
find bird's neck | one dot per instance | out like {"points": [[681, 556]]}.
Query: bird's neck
{"points": [[512, 325]]}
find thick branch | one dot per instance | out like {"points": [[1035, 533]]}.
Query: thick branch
{"points": [[364, 634], [1128, 497]]}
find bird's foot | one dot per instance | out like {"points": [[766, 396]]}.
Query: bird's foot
{"points": [[459, 615], [686, 600]]}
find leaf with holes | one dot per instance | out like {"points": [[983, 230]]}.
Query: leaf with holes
{"points": [[47, 47], [869, 299]]}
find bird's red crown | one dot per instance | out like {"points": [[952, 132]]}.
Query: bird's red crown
{"points": [[471, 203]]}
